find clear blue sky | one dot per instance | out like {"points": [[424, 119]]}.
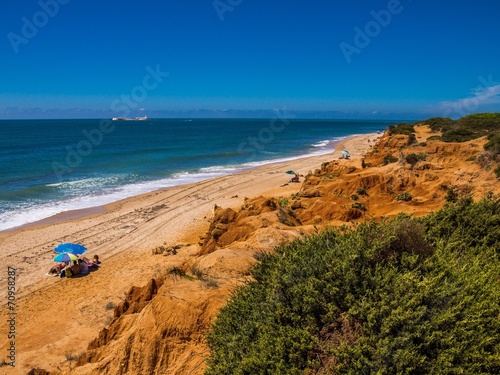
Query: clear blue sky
{"points": [[421, 57]]}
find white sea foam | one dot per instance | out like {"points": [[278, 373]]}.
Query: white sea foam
{"points": [[322, 143]]}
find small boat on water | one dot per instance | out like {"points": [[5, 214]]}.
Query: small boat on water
{"points": [[130, 118]]}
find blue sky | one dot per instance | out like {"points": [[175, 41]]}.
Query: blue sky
{"points": [[338, 58]]}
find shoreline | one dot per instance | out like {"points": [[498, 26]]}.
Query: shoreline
{"points": [[124, 236], [101, 208]]}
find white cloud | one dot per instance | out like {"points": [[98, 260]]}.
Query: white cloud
{"points": [[482, 98]]}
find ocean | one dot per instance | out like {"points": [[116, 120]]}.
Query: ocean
{"points": [[52, 166]]}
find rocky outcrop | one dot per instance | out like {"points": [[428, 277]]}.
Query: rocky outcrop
{"points": [[135, 301], [159, 328]]}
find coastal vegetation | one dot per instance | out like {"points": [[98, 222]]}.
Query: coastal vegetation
{"points": [[465, 128], [388, 159], [403, 128], [410, 295]]}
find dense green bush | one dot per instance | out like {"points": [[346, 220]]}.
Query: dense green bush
{"points": [[439, 123], [407, 296], [493, 143], [388, 159], [459, 134], [414, 158], [481, 122], [482, 116], [361, 191], [466, 128], [402, 128], [451, 194]]}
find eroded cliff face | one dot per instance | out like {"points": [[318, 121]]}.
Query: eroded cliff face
{"points": [[160, 328]]}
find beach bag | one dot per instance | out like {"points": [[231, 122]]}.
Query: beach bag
{"points": [[69, 273]]}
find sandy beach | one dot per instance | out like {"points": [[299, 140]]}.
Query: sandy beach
{"points": [[56, 318]]}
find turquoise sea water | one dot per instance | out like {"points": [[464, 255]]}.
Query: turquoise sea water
{"points": [[52, 166]]}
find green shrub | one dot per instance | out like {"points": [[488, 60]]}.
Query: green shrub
{"points": [[361, 191], [389, 159], [412, 139], [414, 158], [460, 134], [405, 197], [481, 122], [402, 128], [407, 296], [482, 116], [439, 123], [497, 171], [493, 143], [464, 129], [451, 194], [284, 202], [354, 197]]}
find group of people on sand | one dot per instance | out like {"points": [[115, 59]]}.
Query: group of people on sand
{"points": [[82, 266]]}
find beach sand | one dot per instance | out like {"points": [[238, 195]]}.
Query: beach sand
{"points": [[56, 318]]}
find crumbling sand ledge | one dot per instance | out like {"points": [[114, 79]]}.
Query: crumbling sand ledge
{"points": [[57, 318]]}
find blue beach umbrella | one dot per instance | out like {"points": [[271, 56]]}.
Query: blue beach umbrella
{"points": [[345, 152], [290, 172], [70, 248], [65, 257]]}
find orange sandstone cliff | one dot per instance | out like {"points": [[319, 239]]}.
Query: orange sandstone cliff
{"points": [[160, 328]]}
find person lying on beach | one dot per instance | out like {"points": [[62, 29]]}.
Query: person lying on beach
{"points": [[95, 262], [55, 270], [295, 178]]}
